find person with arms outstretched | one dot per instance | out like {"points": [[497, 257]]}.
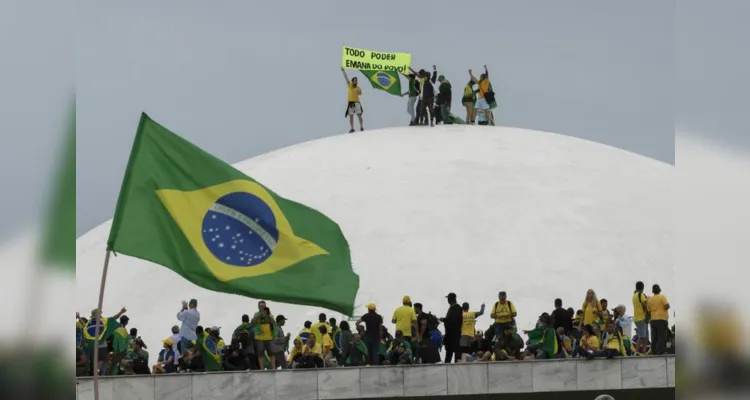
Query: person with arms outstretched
{"points": [[484, 95], [353, 107]]}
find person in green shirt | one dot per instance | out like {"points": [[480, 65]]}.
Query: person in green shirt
{"points": [[106, 329], [137, 358], [120, 344], [209, 352]]}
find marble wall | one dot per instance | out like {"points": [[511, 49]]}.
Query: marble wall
{"points": [[380, 382]]}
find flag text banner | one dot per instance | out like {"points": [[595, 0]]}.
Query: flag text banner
{"points": [[353, 58]]}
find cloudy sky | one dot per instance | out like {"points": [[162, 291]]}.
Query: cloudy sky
{"points": [[241, 78]]}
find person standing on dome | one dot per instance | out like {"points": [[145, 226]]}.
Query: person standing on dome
{"points": [[413, 93], [427, 96], [485, 96], [469, 99], [444, 97], [353, 107], [190, 318], [452, 322]]}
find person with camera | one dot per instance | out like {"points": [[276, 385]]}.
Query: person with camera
{"points": [[190, 318]]}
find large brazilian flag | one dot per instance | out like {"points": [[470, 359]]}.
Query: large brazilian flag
{"points": [[185, 209]]}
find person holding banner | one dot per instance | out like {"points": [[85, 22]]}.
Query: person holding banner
{"points": [[353, 107]]}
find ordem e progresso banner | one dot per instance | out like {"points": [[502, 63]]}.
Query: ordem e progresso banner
{"points": [[353, 58]]}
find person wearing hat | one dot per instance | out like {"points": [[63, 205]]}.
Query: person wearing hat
{"points": [[190, 318], [373, 332], [444, 98], [405, 319], [106, 329], [658, 307], [165, 363], [452, 322]]}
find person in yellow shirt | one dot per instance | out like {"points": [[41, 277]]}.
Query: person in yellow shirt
{"points": [[589, 342], [315, 328], [312, 354], [658, 306], [468, 326], [592, 309], [405, 319], [640, 317], [295, 353], [483, 103], [504, 313], [305, 332], [354, 106]]}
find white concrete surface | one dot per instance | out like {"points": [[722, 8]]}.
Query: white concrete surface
{"points": [[471, 210], [429, 381]]}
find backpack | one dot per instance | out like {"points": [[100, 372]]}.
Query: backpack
{"points": [[510, 307], [432, 322], [140, 366]]}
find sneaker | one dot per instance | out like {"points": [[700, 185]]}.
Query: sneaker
{"points": [[351, 131], [361, 129]]}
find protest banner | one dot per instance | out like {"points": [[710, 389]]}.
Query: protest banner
{"points": [[361, 59]]}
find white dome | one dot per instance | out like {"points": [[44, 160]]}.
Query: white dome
{"points": [[427, 211]]}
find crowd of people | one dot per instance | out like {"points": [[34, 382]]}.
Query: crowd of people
{"points": [[431, 105], [260, 342]]}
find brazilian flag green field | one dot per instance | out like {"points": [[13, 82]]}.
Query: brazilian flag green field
{"points": [[186, 210], [388, 81]]}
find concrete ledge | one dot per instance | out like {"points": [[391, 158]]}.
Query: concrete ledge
{"points": [[395, 381]]}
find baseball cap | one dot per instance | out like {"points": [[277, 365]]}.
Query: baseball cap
{"points": [[193, 302], [451, 296], [371, 306], [406, 299], [215, 328], [168, 341], [280, 318]]}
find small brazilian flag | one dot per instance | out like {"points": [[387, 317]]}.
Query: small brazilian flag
{"points": [[384, 80], [185, 209]]}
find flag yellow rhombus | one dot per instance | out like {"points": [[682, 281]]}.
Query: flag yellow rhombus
{"points": [[237, 229]]}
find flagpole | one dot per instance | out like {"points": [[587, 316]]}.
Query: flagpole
{"points": [[98, 326]]}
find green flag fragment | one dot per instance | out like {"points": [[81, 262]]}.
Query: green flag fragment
{"points": [[58, 244], [388, 81], [186, 210]]}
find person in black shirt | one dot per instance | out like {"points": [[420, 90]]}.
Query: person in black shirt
{"points": [[452, 321], [373, 332], [427, 91], [561, 317]]}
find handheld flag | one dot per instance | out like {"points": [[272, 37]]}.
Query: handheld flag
{"points": [[185, 209], [388, 81]]}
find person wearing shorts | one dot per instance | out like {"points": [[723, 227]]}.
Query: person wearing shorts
{"points": [[482, 106], [264, 337], [354, 107]]}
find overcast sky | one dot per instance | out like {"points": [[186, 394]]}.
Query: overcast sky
{"points": [[242, 78]]}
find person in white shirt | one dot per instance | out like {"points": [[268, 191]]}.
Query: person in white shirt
{"points": [[176, 338], [190, 318]]}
